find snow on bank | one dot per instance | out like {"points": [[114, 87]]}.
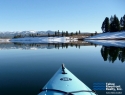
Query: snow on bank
{"points": [[43, 40], [109, 35], [4, 40], [116, 43]]}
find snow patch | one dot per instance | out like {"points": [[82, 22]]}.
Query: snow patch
{"points": [[43, 40], [4, 40], [109, 35]]}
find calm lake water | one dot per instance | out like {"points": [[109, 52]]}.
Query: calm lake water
{"points": [[25, 68]]}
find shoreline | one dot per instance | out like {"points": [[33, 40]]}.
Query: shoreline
{"points": [[4, 40], [53, 39], [78, 37], [108, 39], [44, 39], [108, 36]]}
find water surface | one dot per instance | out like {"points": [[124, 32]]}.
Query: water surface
{"points": [[25, 68]]}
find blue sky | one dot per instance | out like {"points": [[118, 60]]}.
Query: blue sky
{"points": [[66, 15]]}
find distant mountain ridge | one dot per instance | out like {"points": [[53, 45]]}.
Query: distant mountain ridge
{"points": [[8, 34]]}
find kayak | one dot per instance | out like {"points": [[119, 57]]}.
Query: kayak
{"points": [[65, 83]]}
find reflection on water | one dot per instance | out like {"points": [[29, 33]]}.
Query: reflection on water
{"points": [[112, 53], [17, 45], [24, 72], [109, 53]]}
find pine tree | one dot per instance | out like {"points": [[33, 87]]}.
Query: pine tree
{"points": [[124, 22], [55, 33], [66, 33], [111, 24], [62, 34], [121, 23], [105, 25], [71, 33], [58, 33], [116, 24], [76, 33], [79, 31]]}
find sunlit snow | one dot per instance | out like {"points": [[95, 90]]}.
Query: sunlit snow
{"points": [[109, 35]]}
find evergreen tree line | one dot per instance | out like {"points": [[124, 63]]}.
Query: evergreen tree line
{"points": [[113, 24], [57, 33], [65, 33], [112, 53]]}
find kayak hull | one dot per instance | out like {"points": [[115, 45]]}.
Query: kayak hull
{"points": [[66, 83]]}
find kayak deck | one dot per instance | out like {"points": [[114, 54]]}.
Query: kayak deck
{"points": [[64, 81]]}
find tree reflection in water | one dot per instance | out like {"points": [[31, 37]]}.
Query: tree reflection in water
{"points": [[52, 45], [26, 45], [112, 53]]}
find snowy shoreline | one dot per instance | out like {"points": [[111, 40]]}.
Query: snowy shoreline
{"points": [[44, 39], [4, 40], [103, 36], [108, 36], [116, 39]]}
